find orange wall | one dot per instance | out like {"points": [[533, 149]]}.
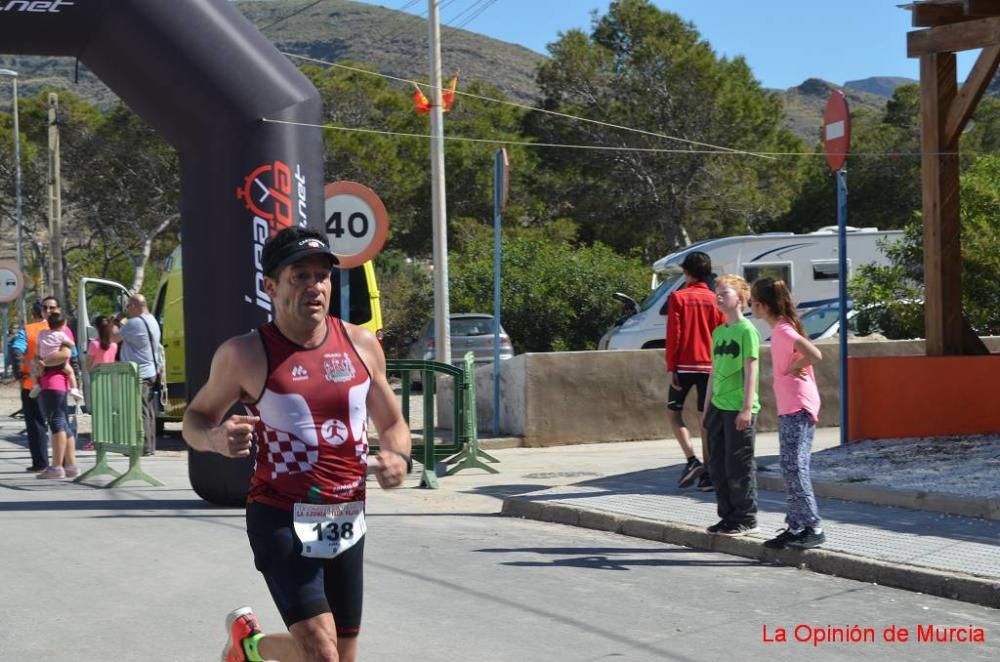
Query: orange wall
{"points": [[922, 396]]}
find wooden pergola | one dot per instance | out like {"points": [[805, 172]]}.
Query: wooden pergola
{"points": [[947, 27]]}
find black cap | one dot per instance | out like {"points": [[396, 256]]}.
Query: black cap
{"points": [[274, 256]]}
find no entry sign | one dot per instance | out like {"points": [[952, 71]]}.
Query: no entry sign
{"points": [[836, 130]]}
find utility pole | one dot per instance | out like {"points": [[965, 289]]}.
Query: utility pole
{"points": [[442, 327], [55, 204]]}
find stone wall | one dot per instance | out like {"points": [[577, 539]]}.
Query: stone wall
{"points": [[572, 397]]}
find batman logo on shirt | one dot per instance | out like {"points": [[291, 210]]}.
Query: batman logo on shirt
{"points": [[731, 348]]}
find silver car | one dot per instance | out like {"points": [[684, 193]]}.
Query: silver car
{"points": [[470, 332]]}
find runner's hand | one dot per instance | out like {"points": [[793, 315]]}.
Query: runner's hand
{"points": [[672, 378], [391, 469], [237, 435]]}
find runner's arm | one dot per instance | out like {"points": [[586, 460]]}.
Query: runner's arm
{"points": [[384, 410], [203, 427]]}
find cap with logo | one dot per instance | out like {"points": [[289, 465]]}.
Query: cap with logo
{"points": [[281, 256]]}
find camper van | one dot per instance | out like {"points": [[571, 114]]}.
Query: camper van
{"points": [[807, 262], [105, 297]]}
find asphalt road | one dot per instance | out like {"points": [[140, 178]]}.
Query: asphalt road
{"points": [[145, 573]]}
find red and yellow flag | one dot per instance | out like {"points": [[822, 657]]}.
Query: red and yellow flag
{"points": [[423, 104]]}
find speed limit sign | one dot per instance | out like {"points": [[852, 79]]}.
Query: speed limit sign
{"points": [[356, 223]]}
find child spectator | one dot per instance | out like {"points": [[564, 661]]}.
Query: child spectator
{"points": [[691, 317], [730, 419], [101, 350], [797, 398], [50, 342]]}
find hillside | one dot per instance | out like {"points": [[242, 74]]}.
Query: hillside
{"points": [[804, 106], [390, 41], [882, 86], [395, 43]]}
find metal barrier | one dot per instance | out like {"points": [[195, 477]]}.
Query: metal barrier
{"points": [[463, 451], [116, 419]]}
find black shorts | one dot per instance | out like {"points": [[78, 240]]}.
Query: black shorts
{"points": [[687, 380], [304, 587]]}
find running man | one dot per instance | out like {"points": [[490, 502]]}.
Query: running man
{"points": [[310, 382]]}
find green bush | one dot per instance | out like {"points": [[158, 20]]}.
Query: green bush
{"points": [[894, 288], [554, 296]]}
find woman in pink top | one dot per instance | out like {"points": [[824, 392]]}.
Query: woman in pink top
{"points": [[797, 397]]}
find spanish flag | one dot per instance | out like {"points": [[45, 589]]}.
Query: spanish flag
{"points": [[448, 93], [423, 104]]}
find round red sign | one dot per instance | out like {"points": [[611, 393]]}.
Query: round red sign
{"points": [[836, 130]]}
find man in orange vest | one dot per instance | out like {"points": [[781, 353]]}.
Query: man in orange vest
{"points": [[23, 350]]}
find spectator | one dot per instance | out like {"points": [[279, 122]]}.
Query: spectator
{"points": [[731, 418], [55, 383], [138, 337], [50, 341], [797, 397], [691, 317], [23, 350], [101, 350]]}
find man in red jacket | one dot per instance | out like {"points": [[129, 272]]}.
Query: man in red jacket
{"points": [[691, 317]]}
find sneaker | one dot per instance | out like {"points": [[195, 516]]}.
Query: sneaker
{"points": [[705, 483], [240, 624], [89, 446], [35, 469], [739, 529], [808, 538], [72, 471], [781, 540], [52, 472], [35, 390], [718, 526], [692, 470]]}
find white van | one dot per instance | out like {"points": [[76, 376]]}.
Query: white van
{"points": [[807, 262]]}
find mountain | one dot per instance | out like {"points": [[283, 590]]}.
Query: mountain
{"points": [[882, 86], [804, 106], [391, 42]]}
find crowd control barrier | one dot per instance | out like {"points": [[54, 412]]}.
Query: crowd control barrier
{"points": [[463, 450], [116, 422]]}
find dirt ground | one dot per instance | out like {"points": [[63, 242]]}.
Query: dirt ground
{"points": [[966, 466]]}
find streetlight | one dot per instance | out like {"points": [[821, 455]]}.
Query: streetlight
{"points": [[17, 187]]}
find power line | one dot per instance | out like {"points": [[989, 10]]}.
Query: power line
{"points": [[470, 19], [537, 110], [291, 15], [613, 148]]}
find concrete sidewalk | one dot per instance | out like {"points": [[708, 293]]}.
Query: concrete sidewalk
{"points": [[945, 555]]}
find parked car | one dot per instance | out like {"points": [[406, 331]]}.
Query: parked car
{"points": [[890, 322], [470, 332]]}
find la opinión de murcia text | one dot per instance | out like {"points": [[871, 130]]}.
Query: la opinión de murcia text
{"points": [[821, 635]]}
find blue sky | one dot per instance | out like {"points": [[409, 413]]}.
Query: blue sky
{"points": [[784, 41]]}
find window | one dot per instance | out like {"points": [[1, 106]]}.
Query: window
{"points": [[756, 270], [828, 269]]}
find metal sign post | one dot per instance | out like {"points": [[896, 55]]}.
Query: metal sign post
{"points": [[836, 144], [500, 187], [357, 226]]}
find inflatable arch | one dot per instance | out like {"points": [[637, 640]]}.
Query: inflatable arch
{"points": [[203, 77]]}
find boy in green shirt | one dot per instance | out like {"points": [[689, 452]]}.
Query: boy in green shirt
{"points": [[729, 420]]}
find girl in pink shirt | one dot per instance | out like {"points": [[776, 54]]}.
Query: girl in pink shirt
{"points": [[797, 397], [101, 349]]}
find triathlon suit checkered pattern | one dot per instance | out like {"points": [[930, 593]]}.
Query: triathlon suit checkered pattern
{"points": [[313, 430]]}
